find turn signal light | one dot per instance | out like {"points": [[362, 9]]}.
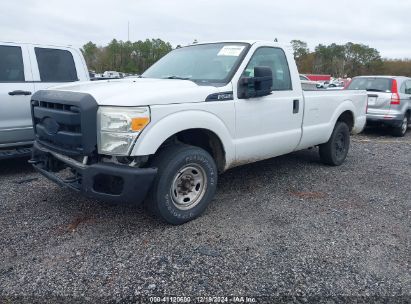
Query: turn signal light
{"points": [[139, 123]]}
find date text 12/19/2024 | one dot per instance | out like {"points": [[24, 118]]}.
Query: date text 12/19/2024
{"points": [[207, 299]]}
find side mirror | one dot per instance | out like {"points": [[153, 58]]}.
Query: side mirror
{"points": [[259, 85]]}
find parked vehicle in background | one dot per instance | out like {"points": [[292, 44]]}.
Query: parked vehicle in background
{"points": [[91, 74], [336, 85], [107, 75], [307, 84], [389, 100], [24, 69], [198, 111], [112, 75], [95, 76], [323, 84], [318, 77]]}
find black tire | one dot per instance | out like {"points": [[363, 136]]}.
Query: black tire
{"points": [[177, 164], [401, 130], [334, 152]]}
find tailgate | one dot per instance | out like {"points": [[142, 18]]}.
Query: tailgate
{"points": [[379, 101]]}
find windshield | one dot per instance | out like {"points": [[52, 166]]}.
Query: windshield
{"points": [[204, 63], [371, 84]]}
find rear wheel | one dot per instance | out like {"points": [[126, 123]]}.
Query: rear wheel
{"points": [[185, 184], [401, 130], [334, 152]]}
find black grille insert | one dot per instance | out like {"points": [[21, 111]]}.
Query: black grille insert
{"points": [[65, 121]]}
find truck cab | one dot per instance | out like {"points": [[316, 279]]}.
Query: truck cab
{"points": [[162, 139], [24, 69]]}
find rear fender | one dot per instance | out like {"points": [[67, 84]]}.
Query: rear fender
{"points": [[346, 105]]}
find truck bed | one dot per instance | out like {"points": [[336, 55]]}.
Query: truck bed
{"points": [[320, 110]]}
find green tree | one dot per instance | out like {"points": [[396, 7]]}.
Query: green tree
{"points": [[350, 59], [300, 48], [130, 57], [90, 53], [400, 67], [300, 51]]}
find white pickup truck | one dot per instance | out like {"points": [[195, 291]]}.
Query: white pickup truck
{"points": [[24, 69], [200, 110]]}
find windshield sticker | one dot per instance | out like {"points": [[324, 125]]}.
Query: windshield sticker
{"points": [[231, 50]]}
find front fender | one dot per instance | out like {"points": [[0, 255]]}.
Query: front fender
{"points": [[159, 131]]}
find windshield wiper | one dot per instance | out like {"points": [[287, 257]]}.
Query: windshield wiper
{"points": [[177, 77]]}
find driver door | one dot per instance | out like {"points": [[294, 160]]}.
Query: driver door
{"points": [[269, 126]]}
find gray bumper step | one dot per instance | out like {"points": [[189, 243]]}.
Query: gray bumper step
{"points": [[14, 153]]}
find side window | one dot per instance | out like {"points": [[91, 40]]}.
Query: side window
{"points": [[408, 87], [56, 65], [275, 59], [11, 64], [403, 87]]}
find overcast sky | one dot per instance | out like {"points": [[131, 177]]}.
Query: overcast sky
{"points": [[384, 25]]}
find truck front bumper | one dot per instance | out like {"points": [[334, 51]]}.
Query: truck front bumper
{"points": [[103, 181]]}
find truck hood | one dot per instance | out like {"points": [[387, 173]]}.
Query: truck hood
{"points": [[142, 91]]}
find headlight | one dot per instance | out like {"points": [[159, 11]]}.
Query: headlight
{"points": [[119, 127]]}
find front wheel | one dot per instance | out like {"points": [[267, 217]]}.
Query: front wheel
{"points": [[185, 184], [334, 152]]}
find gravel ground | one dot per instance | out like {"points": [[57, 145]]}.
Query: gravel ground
{"points": [[288, 226]]}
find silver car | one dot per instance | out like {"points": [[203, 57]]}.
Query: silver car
{"points": [[389, 100]]}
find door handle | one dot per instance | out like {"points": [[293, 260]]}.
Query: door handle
{"points": [[296, 106], [19, 92]]}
